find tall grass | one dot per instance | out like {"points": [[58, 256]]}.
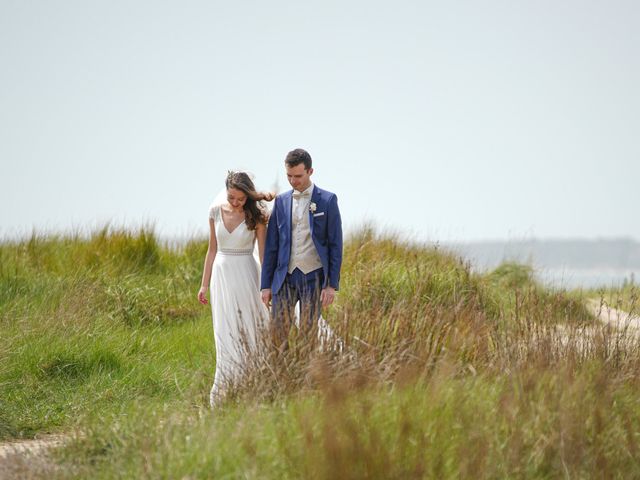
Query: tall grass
{"points": [[436, 372]]}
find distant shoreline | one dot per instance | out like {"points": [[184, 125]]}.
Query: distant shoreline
{"points": [[588, 278], [574, 263]]}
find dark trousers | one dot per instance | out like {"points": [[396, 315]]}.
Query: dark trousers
{"points": [[302, 288]]}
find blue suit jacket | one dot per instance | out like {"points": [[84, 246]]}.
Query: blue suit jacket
{"points": [[326, 232]]}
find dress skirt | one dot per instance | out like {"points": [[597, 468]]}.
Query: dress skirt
{"points": [[239, 316]]}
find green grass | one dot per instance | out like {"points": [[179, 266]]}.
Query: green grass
{"points": [[80, 335], [444, 373], [529, 425]]}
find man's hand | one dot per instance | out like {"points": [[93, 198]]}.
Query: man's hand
{"points": [[266, 297], [327, 295]]}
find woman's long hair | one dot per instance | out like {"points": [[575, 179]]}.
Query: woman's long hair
{"points": [[254, 208]]}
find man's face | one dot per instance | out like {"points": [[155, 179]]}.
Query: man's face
{"points": [[298, 177]]}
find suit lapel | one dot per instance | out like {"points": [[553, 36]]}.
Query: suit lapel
{"points": [[287, 208], [314, 199]]}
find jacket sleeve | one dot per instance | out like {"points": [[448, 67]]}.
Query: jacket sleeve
{"points": [[335, 242], [270, 249]]}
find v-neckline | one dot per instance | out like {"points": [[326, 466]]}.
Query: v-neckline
{"points": [[224, 225]]}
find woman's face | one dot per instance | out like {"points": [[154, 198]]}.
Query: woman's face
{"points": [[236, 198]]}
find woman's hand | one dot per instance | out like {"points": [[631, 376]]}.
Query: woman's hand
{"points": [[201, 295]]}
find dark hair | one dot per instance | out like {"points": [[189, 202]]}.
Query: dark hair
{"points": [[254, 210], [298, 156]]}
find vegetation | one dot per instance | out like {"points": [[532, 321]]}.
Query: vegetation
{"points": [[437, 373], [625, 297]]}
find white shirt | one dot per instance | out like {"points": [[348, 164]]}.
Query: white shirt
{"points": [[303, 251]]}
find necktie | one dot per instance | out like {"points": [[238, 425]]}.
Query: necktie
{"points": [[298, 196]]}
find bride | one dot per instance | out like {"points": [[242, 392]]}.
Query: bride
{"points": [[232, 272]]}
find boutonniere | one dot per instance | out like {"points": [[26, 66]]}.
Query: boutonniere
{"points": [[312, 207]]}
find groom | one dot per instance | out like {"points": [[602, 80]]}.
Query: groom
{"points": [[303, 251]]}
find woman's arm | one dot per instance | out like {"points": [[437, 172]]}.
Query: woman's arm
{"points": [[208, 262], [261, 235]]}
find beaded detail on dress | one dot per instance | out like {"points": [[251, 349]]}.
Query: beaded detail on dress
{"points": [[235, 251]]}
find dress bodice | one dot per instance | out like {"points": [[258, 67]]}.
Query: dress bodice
{"points": [[240, 239]]}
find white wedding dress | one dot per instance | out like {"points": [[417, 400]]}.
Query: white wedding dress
{"points": [[239, 316]]}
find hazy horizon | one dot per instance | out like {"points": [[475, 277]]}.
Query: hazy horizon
{"points": [[448, 121]]}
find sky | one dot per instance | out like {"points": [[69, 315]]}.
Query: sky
{"points": [[446, 121]]}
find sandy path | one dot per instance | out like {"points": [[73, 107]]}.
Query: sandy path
{"points": [[32, 446], [26, 459], [616, 318]]}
